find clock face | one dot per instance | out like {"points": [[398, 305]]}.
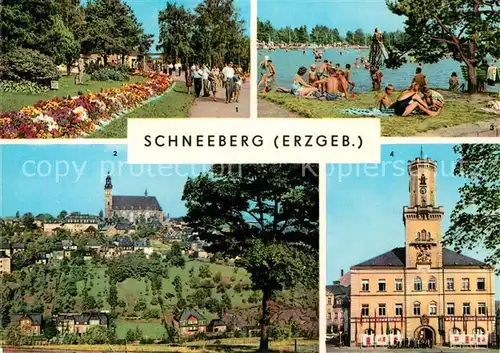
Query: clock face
{"points": [[423, 190]]}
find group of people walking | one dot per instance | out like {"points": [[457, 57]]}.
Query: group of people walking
{"points": [[210, 81]]}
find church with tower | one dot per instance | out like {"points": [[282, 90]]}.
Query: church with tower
{"points": [[421, 291], [131, 208]]}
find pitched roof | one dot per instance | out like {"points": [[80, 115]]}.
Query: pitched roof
{"points": [[397, 258], [188, 313], [83, 318], [337, 289], [36, 319], [149, 203], [217, 322]]}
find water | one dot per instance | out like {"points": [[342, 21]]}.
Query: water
{"points": [[287, 64]]}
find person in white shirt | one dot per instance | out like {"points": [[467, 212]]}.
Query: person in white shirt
{"points": [[198, 83], [228, 73], [206, 83], [178, 67]]}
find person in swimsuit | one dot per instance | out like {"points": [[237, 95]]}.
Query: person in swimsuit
{"points": [[347, 75], [409, 100], [420, 78], [434, 99], [299, 86], [312, 75], [384, 100], [332, 85]]}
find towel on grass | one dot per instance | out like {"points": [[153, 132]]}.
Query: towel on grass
{"points": [[492, 107], [385, 112]]}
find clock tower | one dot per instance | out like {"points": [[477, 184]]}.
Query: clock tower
{"points": [[422, 217], [108, 198]]}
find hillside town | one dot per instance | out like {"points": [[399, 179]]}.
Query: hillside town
{"points": [[131, 275]]}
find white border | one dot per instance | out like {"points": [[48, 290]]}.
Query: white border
{"points": [[253, 60], [322, 258]]}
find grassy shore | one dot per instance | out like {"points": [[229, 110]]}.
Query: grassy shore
{"points": [[459, 109], [223, 345], [67, 87], [173, 104]]}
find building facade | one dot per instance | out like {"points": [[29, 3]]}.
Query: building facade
{"points": [[422, 290], [74, 223], [4, 263], [79, 323], [190, 323], [131, 208], [29, 323]]}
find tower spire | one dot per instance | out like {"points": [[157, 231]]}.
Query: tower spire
{"points": [[146, 193]]}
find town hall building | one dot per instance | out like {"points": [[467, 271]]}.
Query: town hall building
{"points": [[422, 291], [131, 208]]}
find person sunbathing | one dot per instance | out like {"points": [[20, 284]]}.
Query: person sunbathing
{"points": [[409, 100], [384, 100], [332, 84], [301, 87], [434, 99]]}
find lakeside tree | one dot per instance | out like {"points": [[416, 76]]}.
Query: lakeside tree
{"points": [[476, 217], [466, 30], [267, 215]]}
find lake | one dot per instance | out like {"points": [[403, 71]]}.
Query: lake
{"points": [[287, 64]]}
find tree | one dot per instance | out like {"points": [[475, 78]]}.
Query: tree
{"points": [[13, 335], [476, 217], [28, 221], [89, 302], [111, 28], [467, 29], [176, 25], [177, 283], [267, 215], [62, 215]]}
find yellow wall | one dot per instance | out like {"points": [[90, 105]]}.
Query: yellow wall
{"points": [[441, 297]]}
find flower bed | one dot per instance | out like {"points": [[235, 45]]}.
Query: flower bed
{"points": [[78, 116]]}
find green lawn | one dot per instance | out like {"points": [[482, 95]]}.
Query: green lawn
{"points": [[154, 330], [459, 109], [174, 104], [67, 87]]}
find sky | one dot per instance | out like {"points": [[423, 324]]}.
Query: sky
{"points": [[365, 204], [51, 178], [345, 15], [147, 13]]}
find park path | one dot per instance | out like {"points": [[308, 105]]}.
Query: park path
{"points": [[205, 107], [268, 109], [487, 128]]}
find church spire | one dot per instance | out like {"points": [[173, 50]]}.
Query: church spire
{"points": [[146, 193], [108, 184]]}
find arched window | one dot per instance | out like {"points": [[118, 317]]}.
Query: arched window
{"points": [[369, 331], [479, 331], [432, 308], [455, 331], [416, 308], [432, 283], [417, 284], [395, 331]]}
